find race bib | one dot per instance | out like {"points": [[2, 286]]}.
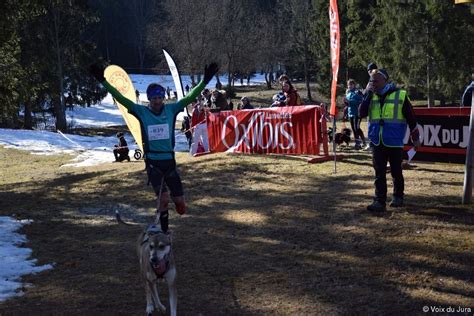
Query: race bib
{"points": [[158, 132]]}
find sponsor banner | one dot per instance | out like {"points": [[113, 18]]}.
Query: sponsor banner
{"points": [[282, 130], [444, 134]]}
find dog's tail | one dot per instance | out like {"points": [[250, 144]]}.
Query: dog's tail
{"points": [[121, 221]]}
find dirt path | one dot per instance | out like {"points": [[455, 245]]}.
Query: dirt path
{"points": [[264, 235]]}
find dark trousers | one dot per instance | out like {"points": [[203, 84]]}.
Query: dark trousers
{"points": [[380, 156], [355, 126], [121, 154]]}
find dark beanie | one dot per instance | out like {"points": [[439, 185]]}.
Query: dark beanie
{"points": [[371, 66]]}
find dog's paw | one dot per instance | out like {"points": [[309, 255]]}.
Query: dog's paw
{"points": [[149, 309]]}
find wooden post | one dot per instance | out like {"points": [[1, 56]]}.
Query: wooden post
{"points": [[467, 195]]}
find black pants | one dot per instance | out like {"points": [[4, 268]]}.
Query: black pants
{"points": [[380, 156], [356, 130], [157, 169], [121, 154]]}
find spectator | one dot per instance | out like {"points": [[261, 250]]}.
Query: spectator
{"points": [[390, 111], [370, 67], [283, 78], [137, 93], [230, 104], [157, 125], [206, 98], [291, 94], [218, 101], [199, 126], [353, 99], [186, 128], [121, 150], [244, 104], [69, 101], [168, 92], [187, 89], [467, 95]]}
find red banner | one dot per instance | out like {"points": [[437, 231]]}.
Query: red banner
{"points": [[335, 48], [283, 130]]}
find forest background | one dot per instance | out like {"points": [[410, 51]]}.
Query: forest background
{"points": [[46, 46]]}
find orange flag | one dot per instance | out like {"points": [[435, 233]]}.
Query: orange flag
{"points": [[335, 48]]}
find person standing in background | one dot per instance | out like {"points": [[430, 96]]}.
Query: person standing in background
{"points": [[353, 99]]}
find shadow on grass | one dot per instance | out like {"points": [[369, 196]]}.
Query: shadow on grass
{"points": [[258, 239]]}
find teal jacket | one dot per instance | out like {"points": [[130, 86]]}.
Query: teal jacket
{"points": [[354, 98], [157, 128]]}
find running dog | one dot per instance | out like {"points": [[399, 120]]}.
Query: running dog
{"points": [[157, 262]]}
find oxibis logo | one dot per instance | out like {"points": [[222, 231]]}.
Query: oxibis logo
{"points": [[262, 131], [120, 81]]}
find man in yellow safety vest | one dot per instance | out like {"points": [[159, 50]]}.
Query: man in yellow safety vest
{"points": [[389, 111]]}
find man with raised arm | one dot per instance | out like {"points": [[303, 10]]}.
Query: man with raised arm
{"points": [[157, 122]]}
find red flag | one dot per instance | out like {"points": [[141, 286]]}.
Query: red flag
{"points": [[335, 47]]}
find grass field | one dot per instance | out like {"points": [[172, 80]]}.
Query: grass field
{"points": [[263, 235]]}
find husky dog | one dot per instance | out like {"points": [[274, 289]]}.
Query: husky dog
{"points": [[157, 262]]}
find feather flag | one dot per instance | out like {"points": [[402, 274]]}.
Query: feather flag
{"points": [[335, 48]]}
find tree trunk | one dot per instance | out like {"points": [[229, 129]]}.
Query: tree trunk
{"points": [[59, 107], [267, 80], [28, 123], [229, 72], [428, 68], [428, 84]]}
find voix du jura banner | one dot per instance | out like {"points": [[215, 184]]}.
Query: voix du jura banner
{"points": [[281, 130], [444, 134]]}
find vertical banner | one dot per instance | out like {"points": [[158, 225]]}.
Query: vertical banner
{"points": [[335, 48], [175, 73], [177, 81]]}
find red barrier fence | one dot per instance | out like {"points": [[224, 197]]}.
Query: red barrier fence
{"points": [[280, 130]]}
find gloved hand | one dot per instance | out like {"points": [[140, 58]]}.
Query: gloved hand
{"points": [[209, 72], [97, 70], [417, 143], [415, 138]]}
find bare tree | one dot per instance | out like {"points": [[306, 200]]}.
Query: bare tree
{"points": [[141, 14], [186, 34]]}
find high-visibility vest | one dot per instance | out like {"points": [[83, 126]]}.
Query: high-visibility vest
{"points": [[387, 123]]}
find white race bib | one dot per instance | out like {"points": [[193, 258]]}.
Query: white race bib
{"points": [[158, 132]]}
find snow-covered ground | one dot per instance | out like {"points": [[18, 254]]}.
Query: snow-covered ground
{"points": [[15, 261]]}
